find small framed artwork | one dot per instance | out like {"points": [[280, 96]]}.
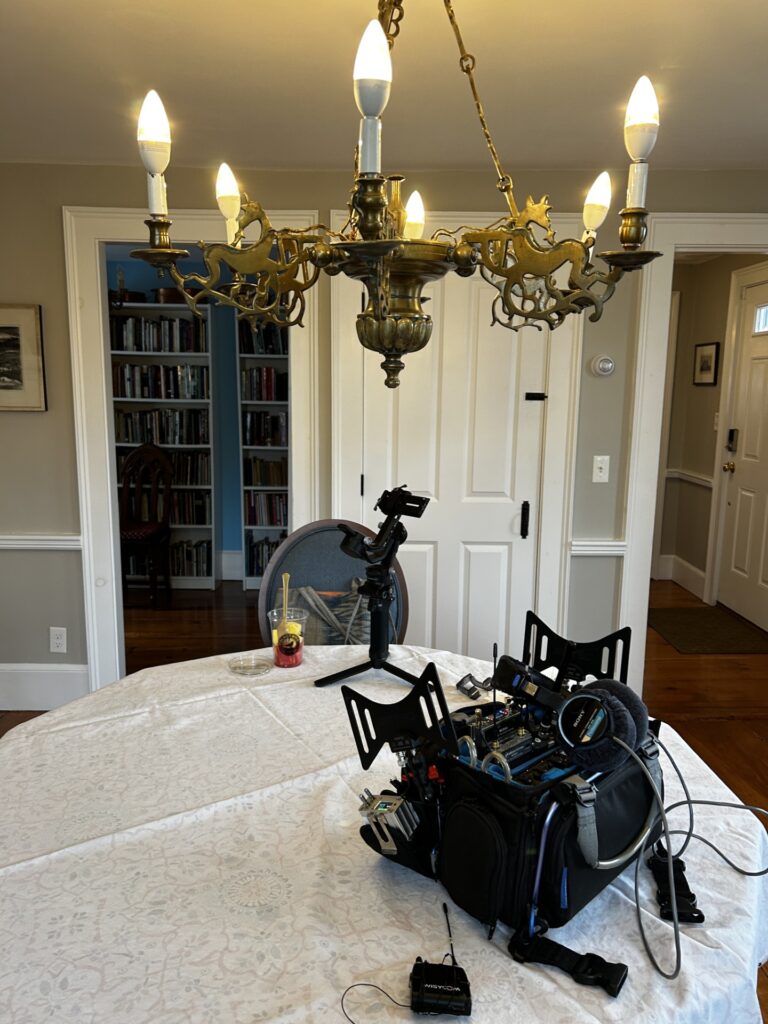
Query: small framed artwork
{"points": [[22, 372], [705, 360]]}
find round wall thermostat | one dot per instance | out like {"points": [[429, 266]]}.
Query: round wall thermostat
{"points": [[602, 366]]}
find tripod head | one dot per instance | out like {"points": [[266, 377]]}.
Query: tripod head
{"points": [[380, 551]]}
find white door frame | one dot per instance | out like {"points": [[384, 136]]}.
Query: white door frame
{"points": [[558, 438], [669, 233], [740, 281], [669, 381], [86, 231]]}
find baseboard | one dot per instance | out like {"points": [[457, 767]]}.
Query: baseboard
{"points": [[230, 565], [41, 687], [672, 567]]}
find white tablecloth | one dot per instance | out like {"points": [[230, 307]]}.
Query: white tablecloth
{"points": [[182, 847]]}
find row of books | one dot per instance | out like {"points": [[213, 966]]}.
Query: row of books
{"points": [[162, 334], [265, 428], [191, 558], [265, 340], [160, 382], [191, 508], [188, 467], [162, 426], [265, 472], [263, 384], [258, 553], [264, 509]]}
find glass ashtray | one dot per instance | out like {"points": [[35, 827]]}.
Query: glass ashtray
{"points": [[250, 665]]}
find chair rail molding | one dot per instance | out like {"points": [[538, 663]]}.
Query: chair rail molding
{"points": [[86, 231], [40, 542], [668, 233]]}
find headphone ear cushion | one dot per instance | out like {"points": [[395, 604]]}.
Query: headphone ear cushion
{"points": [[630, 700], [604, 755]]}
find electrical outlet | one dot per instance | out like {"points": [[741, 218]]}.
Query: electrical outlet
{"points": [[58, 639], [600, 469]]}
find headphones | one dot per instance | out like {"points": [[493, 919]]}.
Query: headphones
{"points": [[585, 721]]}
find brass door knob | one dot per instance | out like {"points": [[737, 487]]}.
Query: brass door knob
{"points": [[729, 467]]}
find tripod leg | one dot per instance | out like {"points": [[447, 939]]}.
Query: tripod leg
{"points": [[400, 673], [345, 673]]}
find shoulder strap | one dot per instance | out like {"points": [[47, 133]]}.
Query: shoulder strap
{"points": [[584, 968]]}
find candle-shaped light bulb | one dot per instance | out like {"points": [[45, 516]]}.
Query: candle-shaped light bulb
{"points": [[228, 198], [372, 77], [598, 202], [415, 216], [641, 126], [154, 138]]}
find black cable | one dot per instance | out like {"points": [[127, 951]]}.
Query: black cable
{"points": [[368, 984]]}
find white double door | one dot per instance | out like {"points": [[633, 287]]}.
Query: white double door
{"points": [[744, 559], [465, 428]]}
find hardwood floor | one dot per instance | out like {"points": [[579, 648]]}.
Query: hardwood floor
{"points": [[718, 703]]}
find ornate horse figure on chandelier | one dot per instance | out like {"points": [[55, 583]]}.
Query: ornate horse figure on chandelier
{"points": [[279, 280], [511, 251]]}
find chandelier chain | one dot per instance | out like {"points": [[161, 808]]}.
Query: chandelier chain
{"points": [[467, 63], [390, 15]]}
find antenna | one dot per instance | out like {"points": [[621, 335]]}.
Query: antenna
{"points": [[495, 656], [450, 935]]}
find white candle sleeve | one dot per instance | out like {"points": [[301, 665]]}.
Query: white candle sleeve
{"points": [[370, 145], [158, 203], [637, 184]]}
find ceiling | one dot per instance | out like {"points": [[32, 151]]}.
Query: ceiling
{"points": [[265, 84]]}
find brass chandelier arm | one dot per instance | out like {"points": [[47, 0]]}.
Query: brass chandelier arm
{"points": [[467, 64], [390, 15]]}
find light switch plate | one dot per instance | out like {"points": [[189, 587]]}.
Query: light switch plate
{"points": [[600, 468]]}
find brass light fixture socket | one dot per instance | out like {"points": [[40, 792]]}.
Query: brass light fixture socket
{"points": [[633, 227], [160, 254], [369, 201], [396, 210]]}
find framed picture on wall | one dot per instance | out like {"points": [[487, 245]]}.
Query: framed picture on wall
{"points": [[22, 373], [705, 360]]}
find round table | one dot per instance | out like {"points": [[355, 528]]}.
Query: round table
{"points": [[182, 847]]}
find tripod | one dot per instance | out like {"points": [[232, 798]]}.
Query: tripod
{"points": [[379, 553]]}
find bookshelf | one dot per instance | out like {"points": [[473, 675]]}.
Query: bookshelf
{"points": [[264, 396], [161, 392]]}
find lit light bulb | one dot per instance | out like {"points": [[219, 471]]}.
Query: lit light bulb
{"points": [[372, 78], [154, 138], [641, 124], [415, 216], [598, 202], [154, 134], [228, 198]]}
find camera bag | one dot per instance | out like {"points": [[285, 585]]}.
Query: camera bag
{"points": [[528, 855]]}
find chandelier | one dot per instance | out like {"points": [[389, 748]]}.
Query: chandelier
{"points": [[538, 279]]}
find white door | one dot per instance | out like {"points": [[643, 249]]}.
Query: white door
{"points": [[744, 560], [460, 430]]}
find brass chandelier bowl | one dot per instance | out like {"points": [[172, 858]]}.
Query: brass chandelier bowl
{"points": [[538, 279]]}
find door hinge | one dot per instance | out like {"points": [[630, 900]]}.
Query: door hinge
{"points": [[525, 515]]}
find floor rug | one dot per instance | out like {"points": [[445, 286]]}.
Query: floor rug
{"points": [[707, 631]]}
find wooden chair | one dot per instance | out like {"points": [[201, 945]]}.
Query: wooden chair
{"points": [[145, 508], [324, 581]]}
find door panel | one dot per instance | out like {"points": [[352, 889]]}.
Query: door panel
{"points": [[458, 430], [743, 576]]}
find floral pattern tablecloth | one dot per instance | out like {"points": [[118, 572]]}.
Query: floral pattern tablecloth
{"points": [[182, 847]]}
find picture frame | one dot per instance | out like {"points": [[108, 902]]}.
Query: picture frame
{"points": [[22, 369], [706, 359]]}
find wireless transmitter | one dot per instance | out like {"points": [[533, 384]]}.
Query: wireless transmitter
{"points": [[440, 988]]}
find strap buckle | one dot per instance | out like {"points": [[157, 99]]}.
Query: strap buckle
{"points": [[687, 911], [592, 969], [583, 791]]}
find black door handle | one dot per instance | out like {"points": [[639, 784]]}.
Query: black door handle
{"points": [[525, 515]]}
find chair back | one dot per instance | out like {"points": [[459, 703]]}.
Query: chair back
{"points": [[325, 581], [607, 658], [146, 486]]}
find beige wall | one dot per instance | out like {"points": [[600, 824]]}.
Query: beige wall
{"points": [[37, 450], [704, 293]]}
